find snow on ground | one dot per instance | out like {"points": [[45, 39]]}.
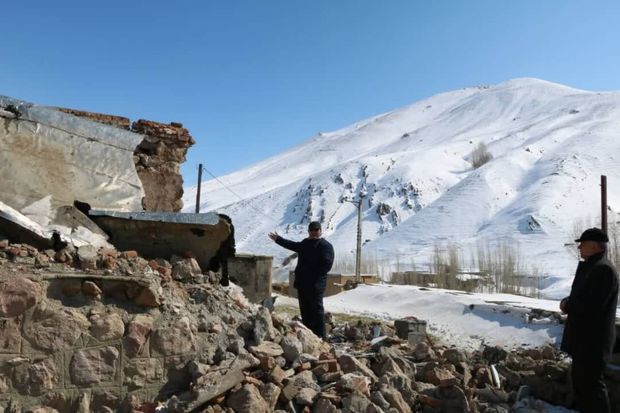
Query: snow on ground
{"points": [[457, 318]]}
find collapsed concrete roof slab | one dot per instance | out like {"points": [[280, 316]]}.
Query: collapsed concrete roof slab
{"points": [[46, 151], [19, 228], [162, 234]]}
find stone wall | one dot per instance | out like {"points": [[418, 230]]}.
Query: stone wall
{"points": [[157, 158], [99, 341]]}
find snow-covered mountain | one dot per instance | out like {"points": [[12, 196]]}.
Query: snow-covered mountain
{"points": [[549, 144]]}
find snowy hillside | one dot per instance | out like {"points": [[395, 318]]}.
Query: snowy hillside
{"points": [[549, 145]]}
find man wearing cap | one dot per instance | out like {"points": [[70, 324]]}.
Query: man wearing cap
{"points": [[589, 332], [315, 259]]}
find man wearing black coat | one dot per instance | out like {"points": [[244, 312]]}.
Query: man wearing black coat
{"points": [[315, 259], [589, 332]]}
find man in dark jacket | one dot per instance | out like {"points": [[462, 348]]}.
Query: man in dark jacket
{"points": [[589, 332], [315, 259]]}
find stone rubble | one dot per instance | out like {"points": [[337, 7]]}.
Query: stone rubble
{"points": [[107, 331]]}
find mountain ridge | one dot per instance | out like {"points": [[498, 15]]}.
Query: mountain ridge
{"points": [[549, 144]]}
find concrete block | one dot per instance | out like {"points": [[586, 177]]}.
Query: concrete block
{"points": [[404, 326]]}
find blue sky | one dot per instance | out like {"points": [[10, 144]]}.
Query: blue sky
{"points": [[251, 78]]}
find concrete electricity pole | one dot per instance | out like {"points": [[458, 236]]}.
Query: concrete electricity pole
{"points": [[358, 249]]}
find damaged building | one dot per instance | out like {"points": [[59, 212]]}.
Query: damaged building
{"points": [[110, 300], [73, 172]]}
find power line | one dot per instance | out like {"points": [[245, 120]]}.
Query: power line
{"points": [[239, 196]]}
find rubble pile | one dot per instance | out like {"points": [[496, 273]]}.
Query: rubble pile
{"points": [[105, 331], [87, 330]]}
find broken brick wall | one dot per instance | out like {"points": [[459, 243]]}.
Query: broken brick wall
{"points": [[157, 158]]}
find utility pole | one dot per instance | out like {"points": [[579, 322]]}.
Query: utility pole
{"points": [[358, 249], [198, 189], [358, 252], [604, 203]]}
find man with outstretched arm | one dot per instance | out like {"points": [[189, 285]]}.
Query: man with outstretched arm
{"points": [[315, 259], [590, 333]]}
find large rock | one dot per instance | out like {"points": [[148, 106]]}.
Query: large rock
{"points": [[266, 349], [292, 347], [354, 382], [379, 400], [177, 338], [148, 296], [306, 396], [55, 328], [355, 402], [263, 326], [350, 364], [388, 366], [247, 400], [311, 343], [94, 366], [454, 356], [452, 399], [270, 393], [303, 380], [17, 295], [87, 255], [441, 377], [105, 327], [137, 333], [395, 399], [324, 406], [91, 289], [213, 385], [185, 269], [36, 378], [105, 401]]}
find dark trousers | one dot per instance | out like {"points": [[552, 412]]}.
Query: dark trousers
{"points": [[589, 386], [311, 308]]}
